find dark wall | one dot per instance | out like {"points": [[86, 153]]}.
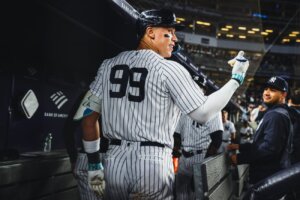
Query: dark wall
{"points": [[53, 48]]}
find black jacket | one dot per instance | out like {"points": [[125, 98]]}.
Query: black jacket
{"points": [[295, 117], [270, 138]]}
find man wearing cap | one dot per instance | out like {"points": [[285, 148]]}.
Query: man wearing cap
{"points": [[140, 96], [265, 153]]}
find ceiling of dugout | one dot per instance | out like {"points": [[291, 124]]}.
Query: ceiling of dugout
{"points": [[73, 35]]}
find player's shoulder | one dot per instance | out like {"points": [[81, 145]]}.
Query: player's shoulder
{"points": [[159, 63], [277, 115], [171, 66], [279, 110], [171, 63], [122, 55], [125, 53]]}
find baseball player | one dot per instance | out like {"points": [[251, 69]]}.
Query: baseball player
{"points": [[78, 159], [195, 139], [141, 96], [265, 155], [81, 174], [228, 133], [246, 132]]}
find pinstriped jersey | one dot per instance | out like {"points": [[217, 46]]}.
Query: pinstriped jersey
{"points": [[195, 135], [229, 129], [142, 95]]}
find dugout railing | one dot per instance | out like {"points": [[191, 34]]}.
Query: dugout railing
{"points": [[216, 179]]}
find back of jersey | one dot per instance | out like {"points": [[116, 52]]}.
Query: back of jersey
{"points": [[136, 89]]}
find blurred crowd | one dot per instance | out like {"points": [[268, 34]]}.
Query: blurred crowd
{"points": [[268, 64]]}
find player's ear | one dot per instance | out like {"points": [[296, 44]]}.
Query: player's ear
{"points": [[150, 33]]}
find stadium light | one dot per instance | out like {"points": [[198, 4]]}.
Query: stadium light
{"points": [[264, 33], [224, 29], [255, 29], [285, 40], [180, 19], [203, 23]]}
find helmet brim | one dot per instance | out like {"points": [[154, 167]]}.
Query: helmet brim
{"points": [[178, 27]]}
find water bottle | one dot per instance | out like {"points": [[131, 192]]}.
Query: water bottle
{"points": [[47, 144]]}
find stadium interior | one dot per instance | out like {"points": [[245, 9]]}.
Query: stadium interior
{"points": [[54, 48], [216, 30]]}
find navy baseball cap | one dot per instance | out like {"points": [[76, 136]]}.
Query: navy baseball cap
{"points": [[277, 83]]}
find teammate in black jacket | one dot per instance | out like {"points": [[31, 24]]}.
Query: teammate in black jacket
{"points": [[294, 103], [264, 154]]}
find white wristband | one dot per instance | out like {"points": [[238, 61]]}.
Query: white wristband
{"points": [[91, 146]]}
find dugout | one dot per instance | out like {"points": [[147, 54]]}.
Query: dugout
{"points": [[53, 49], [52, 46]]}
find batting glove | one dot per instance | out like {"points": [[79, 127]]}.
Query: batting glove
{"points": [[240, 65], [96, 178]]}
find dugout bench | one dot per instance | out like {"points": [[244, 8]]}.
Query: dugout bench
{"points": [[216, 179], [38, 176]]}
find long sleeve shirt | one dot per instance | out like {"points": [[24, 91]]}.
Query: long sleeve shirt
{"points": [[264, 154]]}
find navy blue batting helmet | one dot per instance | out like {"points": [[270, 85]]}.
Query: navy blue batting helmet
{"points": [[156, 18]]}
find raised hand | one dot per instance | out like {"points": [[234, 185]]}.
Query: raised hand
{"points": [[240, 66]]}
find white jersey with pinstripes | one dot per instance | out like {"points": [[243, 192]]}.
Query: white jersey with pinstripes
{"points": [[142, 95], [194, 135], [81, 176]]}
